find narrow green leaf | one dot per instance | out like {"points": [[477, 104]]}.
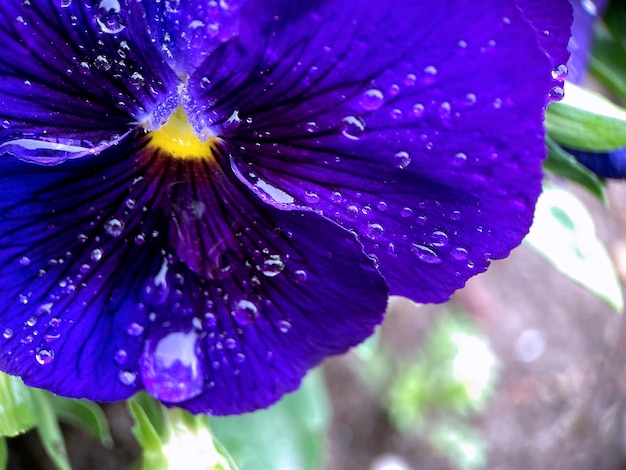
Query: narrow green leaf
{"points": [[4, 453], [562, 163], [83, 414], [585, 120], [16, 408], [607, 64], [49, 430], [563, 233], [144, 429], [289, 435]]}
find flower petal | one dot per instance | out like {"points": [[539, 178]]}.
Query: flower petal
{"points": [[134, 269], [76, 74], [586, 15], [418, 125], [606, 165], [187, 31]]}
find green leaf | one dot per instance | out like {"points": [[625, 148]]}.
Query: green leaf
{"points": [[4, 453], [563, 233], [461, 444], [607, 64], [174, 439], [564, 164], [49, 430], [585, 120], [16, 408], [289, 435], [85, 415]]}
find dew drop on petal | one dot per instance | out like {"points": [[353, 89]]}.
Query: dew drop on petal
{"points": [[24, 261], [560, 72], [8, 333], [374, 231], [245, 312], [120, 356], [114, 227], [439, 238], [171, 367], [556, 93], [44, 356], [425, 254], [230, 343], [300, 275], [372, 99], [401, 160], [459, 253], [96, 254], [284, 326], [273, 266], [127, 377], [109, 18], [352, 127], [134, 329], [66, 3]]}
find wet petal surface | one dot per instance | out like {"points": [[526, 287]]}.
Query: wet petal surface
{"points": [[75, 74], [427, 141], [135, 269]]}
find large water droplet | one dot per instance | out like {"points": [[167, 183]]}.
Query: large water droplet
{"points": [[245, 312], [114, 227], [109, 17], [374, 231], [560, 72], [353, 127], [127, 377], [425, 254], [273, 266], [372, 99], [171, 369], [44, 356], [401, 160], [8, 333]]}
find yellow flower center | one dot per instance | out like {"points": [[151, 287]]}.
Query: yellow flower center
{"points": [[178, 138]]}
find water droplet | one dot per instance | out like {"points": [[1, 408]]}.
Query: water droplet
{"points": [[300, 275], [556, 94], [311, 126], [336, 197], [44, 356], [8, 333], [418, 110], [114, 227], [230, 343], [425, 254], [245, 312], [375, 231], [311, 197], [401, 160], [410, 79], [430, 74], [96, 254], [439, 238], [127, 377], [134, 329], [560, 72], [136, 80], [24, 261], [32, 321], [353, 127], [109, 17], [352, 211], [156, 290], [284, 326], [120, 356], [140, 239], [171, 369], [590, 7], [406, 212], [172, 6], [470, 99], [65, 3], [459, 253], [273, 266], [372, 99], [459, 159]]}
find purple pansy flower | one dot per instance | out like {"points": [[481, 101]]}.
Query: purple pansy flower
{"points": [[204, 199]]}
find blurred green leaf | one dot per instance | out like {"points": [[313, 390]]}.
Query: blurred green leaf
{"points": [[83, 414], [454, 374], [289, 435], [561, 163], [586, 120], [607, 64], [4, 453], [563, 233], [178, 440], [460, 444], [49, 430], [16, 408], [615, 20]]}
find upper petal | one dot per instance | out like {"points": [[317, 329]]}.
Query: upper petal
{"points": [[416, 124], [135, 269], [75, 75]]}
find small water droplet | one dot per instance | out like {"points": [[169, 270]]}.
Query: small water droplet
{"points": [[44, 356], [410, 79], [66, 3], [459, 253], [134, 329], [352, 211], [32, 321], [353, 127], [556, 93], [284, 326], [120, 356], [560, 72], [127, 377], [311, 127], [372, 99], [96, 254], [8, 333], [24, 261], [300, 275], [273, 266], [406, 212], [311, 197], [230, 343], [114, 227], [401, 160], [439, 238], [245, 312], [429, 75], [425, 254], [375, 231]]}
